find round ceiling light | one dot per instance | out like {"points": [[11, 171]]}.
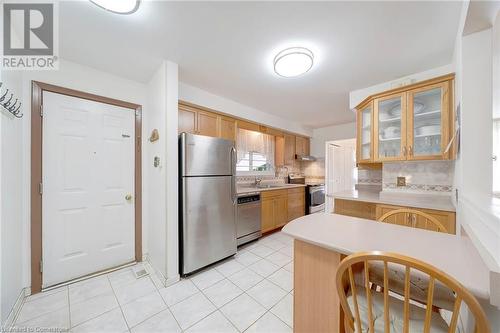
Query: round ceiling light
{"points": [[293, 61], [118, 6]]}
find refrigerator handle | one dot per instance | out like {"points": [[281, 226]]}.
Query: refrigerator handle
{"points": [[233, 175]]}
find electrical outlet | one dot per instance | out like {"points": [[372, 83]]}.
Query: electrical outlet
{"points": [[401, 181]]}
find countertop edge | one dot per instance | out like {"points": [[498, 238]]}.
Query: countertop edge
{"points": [[242, 190], [294, 233], [344, 196]]}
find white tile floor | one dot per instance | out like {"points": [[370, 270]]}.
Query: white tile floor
{"points": [[251, 292]]}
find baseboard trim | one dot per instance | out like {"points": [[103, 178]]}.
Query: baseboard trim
{"points": [[14, 312], [158, 276]]}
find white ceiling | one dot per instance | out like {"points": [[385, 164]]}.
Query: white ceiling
{"points": [[227, 48]]}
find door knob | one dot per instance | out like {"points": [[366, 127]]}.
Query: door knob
{"points": [[128, 197]]}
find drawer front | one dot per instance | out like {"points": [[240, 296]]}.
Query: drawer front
{"points": [[365, 210], [273, 193], [296, 190]]}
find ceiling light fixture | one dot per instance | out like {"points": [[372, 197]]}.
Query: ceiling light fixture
{"points": [[293, 61], [118, 6]]}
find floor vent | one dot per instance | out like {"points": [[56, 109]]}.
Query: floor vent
{"points": [[140, 272]]}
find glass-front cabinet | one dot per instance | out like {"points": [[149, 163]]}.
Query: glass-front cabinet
{"points": [[365, 125], [390, 127], [428, 124], [414, 122]]}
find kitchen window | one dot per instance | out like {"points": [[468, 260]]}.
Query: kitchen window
{"points": [[255, 153], [496, 156]]}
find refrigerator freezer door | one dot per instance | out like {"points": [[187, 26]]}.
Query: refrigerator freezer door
{"points": [[206, 156], [209, 221]]}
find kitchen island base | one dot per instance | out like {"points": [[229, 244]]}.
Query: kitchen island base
{"points": [[316, 305]]}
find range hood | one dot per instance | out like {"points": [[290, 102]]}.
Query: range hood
{"points": [[305, 158]]}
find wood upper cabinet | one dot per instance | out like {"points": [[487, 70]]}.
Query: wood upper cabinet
{"points": [[364, 117], [429, 126], [415, 122], [207, 124], [227, 128], [289, 149], [302, 145], [389, 128], [187, 120]]}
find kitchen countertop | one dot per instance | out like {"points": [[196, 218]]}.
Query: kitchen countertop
{"points": [[249, 189], [426, 201], [348, 235]]}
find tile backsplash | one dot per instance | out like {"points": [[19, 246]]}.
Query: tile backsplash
{"points": [[369, 176], [421, 176], [314, 169]]}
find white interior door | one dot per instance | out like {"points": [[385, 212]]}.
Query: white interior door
{"points": [[340, 169], [87, 172]]}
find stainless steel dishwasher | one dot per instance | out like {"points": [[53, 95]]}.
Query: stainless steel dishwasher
{"points": [[248, 217]]}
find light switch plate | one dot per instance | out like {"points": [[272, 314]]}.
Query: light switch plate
{"points": [[401, 181]]}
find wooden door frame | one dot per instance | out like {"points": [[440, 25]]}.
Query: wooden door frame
{"points": [[37, 89]]}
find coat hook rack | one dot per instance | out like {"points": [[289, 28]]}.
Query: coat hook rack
{"points": [[13, 107]]}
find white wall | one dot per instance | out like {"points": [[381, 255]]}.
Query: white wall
{"points": [[163, 180], [357, 96], [11, 195], [330, 133], [203, 98], [473, 62]]}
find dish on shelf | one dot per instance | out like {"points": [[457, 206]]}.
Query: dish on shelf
{"points": [[418, 107], [384, 138], [428, 130], [391, 131], [395, 111]]}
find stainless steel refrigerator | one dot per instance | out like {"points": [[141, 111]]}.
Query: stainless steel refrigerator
{"points": [[207, 216]]}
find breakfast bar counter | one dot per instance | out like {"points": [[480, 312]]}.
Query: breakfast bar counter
{"points": [[323, 240]]}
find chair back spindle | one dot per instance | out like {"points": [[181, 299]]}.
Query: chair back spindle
{"points": [[415, 303]]}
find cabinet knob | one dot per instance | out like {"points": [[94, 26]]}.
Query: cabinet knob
{"points": [[128, 197]]}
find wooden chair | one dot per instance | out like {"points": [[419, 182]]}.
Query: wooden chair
{"points": [[411, 291], [413, 218]]}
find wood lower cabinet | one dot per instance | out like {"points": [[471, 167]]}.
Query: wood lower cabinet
{"points": [[447, 219], [296, 203], [281, 206], [267, 215], [274, 209], [373, 211], [364, 210]]}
